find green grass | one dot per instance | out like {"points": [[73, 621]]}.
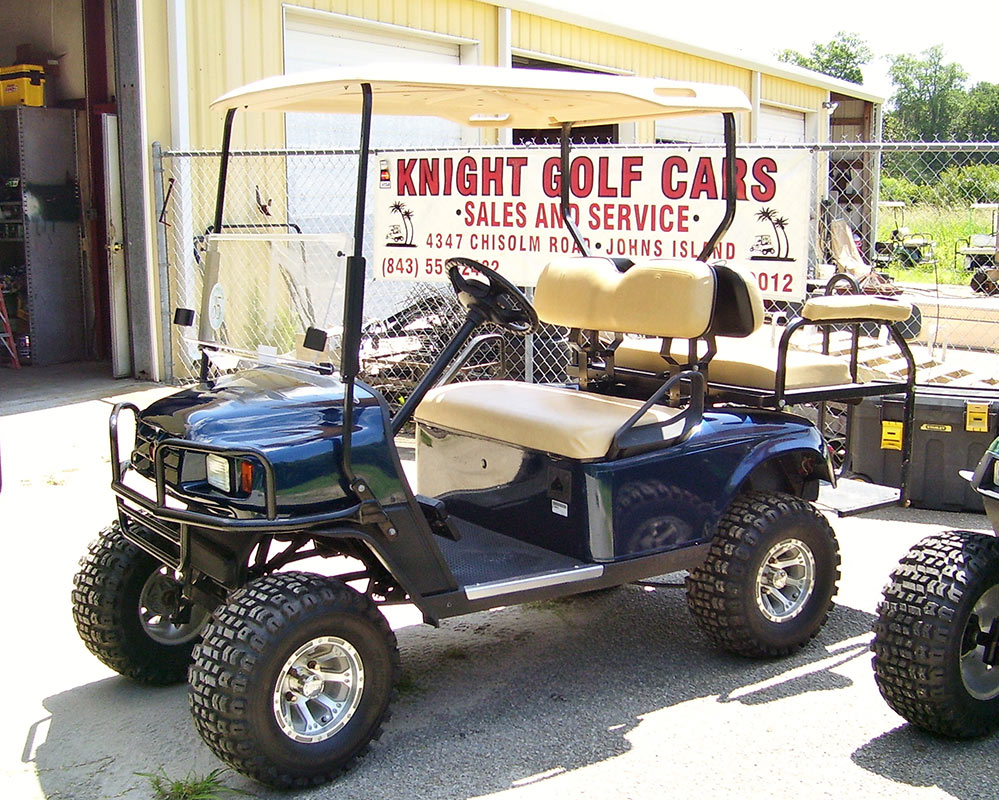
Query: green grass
{"points": [[208, 787], [407, 685], [945, 226]]}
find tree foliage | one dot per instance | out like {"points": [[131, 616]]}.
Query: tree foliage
{"points": [[978, 119], [929, 95], [841, 58], [955, 187]]}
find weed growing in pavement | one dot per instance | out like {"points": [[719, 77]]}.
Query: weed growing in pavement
{"points": [[407, 685], [209, 787]]}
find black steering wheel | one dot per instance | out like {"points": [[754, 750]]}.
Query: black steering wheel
{"points": [[497, 300]]}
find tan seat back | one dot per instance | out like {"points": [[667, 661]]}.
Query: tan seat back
{"points": [[663, 298]]}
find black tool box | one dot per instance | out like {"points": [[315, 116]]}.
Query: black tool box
{"points": [[953, 427]]}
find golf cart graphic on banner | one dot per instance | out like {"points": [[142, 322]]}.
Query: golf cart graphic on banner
{"points": [[504, 211]]}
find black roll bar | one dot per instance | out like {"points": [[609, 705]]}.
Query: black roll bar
{"points": [[230, 115], [353, 311], [731, 195], [565, 145]]}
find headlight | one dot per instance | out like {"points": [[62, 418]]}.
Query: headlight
{"points": [[228, 476], [219, 472]]}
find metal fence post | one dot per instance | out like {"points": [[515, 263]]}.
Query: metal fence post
{"points": [[163, 273]]}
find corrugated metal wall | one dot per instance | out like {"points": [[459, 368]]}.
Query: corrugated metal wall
{"points": [[231, 42], [789, 94]]}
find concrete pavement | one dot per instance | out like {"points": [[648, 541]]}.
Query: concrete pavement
{"points": [[611, 695]]}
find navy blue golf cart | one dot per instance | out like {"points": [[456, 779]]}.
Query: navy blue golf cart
{"points": [[524, 491]]}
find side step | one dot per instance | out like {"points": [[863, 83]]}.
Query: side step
{"points": [[481, 591]]}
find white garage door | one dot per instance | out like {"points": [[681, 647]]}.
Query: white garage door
{"points": [[781, 125], [312, 45], [702, 128]]}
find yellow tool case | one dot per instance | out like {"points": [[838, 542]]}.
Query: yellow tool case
{"points": [[22, 85]]}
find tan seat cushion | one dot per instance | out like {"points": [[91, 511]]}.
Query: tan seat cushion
{"points": [[654, 298], [856, 306], [552, 419], [749, 362]]}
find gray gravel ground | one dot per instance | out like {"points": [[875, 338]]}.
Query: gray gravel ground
{"points": [[611, 695]]}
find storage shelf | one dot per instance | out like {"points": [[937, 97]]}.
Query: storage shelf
{"points": [[38, 147]]}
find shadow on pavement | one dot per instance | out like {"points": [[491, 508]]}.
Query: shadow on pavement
{"points": [[911, 756], [37, 388], [491, 701]]}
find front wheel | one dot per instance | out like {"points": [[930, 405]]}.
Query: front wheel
{"points": [[293, 678], [936, 637], [766, 586], [127, 610]]}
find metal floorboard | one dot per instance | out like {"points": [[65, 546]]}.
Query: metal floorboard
{"points": [[482, 556]]}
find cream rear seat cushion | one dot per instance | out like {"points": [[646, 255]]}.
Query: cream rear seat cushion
{"points": [[655, 298], [855, 306], [750, 362], [552, 419]]}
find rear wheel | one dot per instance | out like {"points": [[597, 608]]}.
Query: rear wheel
{"points": [[126, 604], [936, 638], [293, 678], [766, 586]]}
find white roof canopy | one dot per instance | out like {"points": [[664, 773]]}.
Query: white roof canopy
{"points": [[488, 97]]}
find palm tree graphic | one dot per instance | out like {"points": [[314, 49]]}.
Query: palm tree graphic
{"points": [[407, 221], [779, 225], [399, 208]]}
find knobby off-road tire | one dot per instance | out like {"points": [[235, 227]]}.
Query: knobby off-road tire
{"points": [[118, 595], [293, 678], [766, 586], [935, 637]]}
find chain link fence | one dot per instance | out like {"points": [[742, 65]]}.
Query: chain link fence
{"points": [[921, 219]]}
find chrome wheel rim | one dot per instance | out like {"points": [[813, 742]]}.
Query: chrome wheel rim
{"points": [[158, 600], [981, 679], [318, 689], [785, 580]]}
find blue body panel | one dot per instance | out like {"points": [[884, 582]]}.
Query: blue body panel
{"points": [[696, 480], [603, 510], [609, 510], [294, 418]]}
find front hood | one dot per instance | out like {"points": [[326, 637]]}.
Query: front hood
{"points": [[293, 417], [263, 408]]}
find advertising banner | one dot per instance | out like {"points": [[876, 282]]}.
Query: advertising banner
{"points": [[501, 208]]}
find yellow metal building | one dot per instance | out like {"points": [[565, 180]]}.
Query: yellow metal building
{"points": [[195, 51], [167, 59]]}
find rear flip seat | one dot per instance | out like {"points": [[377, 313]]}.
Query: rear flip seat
{"points": [[751, 361]]}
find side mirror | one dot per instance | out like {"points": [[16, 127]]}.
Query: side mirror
{"points": [[315, 339]]}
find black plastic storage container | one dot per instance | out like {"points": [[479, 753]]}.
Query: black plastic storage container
{"points": [[953, 427]]}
